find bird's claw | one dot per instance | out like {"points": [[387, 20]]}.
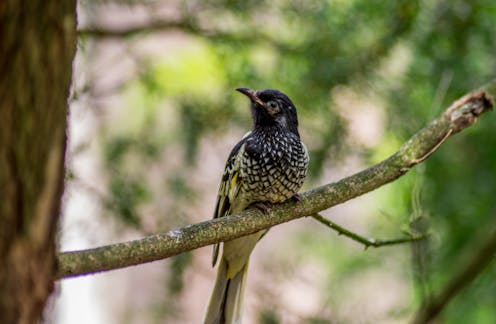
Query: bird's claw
{"points": [[264, 207], [296, 197]]}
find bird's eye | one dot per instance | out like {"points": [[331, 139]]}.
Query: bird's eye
{"points": [[272, 104], [272, 107]]}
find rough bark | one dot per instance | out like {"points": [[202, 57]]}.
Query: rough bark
{"points": [[37, 45]]}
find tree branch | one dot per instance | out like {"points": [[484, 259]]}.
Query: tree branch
{"points": [[244, 34], [461, 114], [367, 242], [123, 33], [127, 31], [470, 269]]}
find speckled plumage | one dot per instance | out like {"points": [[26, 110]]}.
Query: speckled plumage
{"points": [[272, 165], [268, 165]]}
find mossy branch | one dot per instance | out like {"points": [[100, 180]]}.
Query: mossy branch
{"points": [[461, 114]]}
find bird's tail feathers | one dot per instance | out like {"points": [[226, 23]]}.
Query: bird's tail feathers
{"points": [[226, 303]]}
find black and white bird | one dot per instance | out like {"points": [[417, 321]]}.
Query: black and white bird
{"points": [[267, 166]]}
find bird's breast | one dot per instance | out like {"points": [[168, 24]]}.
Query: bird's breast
{"points": [[273, 169]]}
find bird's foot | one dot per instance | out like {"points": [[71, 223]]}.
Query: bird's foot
{"points": [[264, 207], [296, 197]]}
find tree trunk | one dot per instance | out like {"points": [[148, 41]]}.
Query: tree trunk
{"points": [[37, 46]]}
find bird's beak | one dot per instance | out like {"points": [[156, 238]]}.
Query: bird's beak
{"points": [[252, 94]]}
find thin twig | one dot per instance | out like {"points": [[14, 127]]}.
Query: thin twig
{"points": [[423, 158], [367, 242]]}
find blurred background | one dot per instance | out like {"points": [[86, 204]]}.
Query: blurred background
{"points": [[154, 115]]}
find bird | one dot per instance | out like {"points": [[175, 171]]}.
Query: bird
{"points": [[267, 166]]}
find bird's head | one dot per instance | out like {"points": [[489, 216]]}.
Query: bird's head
{"points": [[272, 108]]}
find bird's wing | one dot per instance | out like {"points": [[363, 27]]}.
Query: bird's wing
{"points": [[229, 186]]}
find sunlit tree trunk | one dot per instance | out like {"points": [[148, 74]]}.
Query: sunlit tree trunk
{"points": [[37, 45]]}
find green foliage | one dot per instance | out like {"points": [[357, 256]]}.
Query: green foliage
{"points": [[452, 52], [179, 263], [268, 316], [126, 193], [417, 56]]}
